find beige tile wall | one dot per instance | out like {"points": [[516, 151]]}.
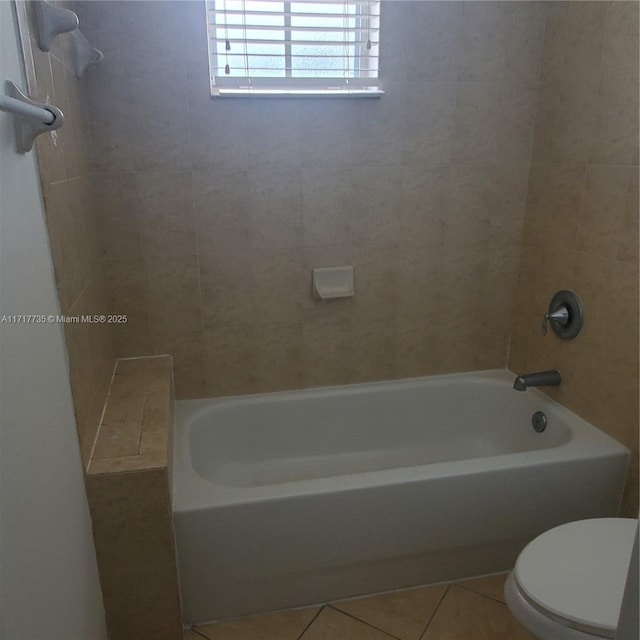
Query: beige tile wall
{"points": [[74, 235], [581, 221], [213, 212]]}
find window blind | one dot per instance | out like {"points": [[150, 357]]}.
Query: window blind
{"points": [[327, 47]]}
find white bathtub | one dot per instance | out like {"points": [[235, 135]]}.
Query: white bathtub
{"points": [[288, 499]]}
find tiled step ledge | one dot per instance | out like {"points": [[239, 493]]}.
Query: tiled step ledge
{"points": [[136, 428], [129, 492]]}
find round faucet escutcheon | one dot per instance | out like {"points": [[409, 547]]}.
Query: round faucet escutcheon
{"points": [[565, 314]]}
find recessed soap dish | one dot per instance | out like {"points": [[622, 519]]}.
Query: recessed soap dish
{"points": [[332, 282]]}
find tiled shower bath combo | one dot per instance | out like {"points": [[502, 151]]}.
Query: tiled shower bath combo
{"points": [[499, 167]]}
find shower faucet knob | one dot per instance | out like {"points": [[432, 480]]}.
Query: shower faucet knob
{"points": [[560, 315], [565, 314]]}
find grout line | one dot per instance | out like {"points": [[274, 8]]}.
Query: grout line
{"points": [[195, 220], [195, 630], [157, 355], [607, 258], [93, 274], [104, 408], [478, 593], [143, 257], [566, 163], [138, 453], [320, 610], [432, 616], [373, 626]]}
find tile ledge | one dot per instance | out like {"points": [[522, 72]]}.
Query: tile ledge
{"points": [[149, 382]]}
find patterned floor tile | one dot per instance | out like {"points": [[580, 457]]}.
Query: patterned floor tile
{"points": [[279, 625], [465, 615], [403, 614], [335, 625]]}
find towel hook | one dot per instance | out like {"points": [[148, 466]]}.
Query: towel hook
{"points": [[83, 53], [30, 118], [52, 21]]}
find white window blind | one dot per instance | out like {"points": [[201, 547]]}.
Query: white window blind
{"points": [[280, 47]]}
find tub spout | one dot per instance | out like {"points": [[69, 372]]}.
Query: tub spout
{"points": [[537, 379]]}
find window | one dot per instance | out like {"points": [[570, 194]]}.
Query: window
{"points": [[294, 47]]}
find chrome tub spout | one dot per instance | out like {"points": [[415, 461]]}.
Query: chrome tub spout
{"points": [[538, 379]]}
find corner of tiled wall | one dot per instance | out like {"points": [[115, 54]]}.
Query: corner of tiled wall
{"points": [[74, 237], [581, 220]]}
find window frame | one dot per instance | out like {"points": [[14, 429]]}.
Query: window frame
{"points": [[290, 86]]}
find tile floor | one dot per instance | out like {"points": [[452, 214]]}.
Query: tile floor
{"points": [[467, 610]]}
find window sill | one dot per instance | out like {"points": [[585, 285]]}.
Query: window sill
{"points": [[218, 92]]}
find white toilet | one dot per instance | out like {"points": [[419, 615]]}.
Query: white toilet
{"points": [[568, 583]]}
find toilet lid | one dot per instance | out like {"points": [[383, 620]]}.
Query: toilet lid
{"points": [[577, 572]]}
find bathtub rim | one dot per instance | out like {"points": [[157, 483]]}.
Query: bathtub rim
{"points": [[193, 492]]}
